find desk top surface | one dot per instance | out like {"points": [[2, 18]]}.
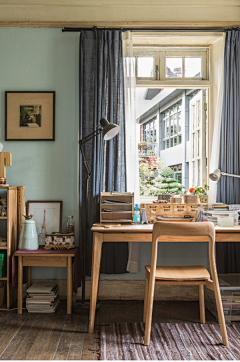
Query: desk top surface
{"points": [[147, 228]]}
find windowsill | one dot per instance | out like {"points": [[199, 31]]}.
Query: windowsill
{"points": [[147, 199]]}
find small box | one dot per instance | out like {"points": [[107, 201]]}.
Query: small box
{"points": [[60, 241]]}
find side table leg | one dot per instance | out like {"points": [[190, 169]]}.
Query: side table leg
{"points": [[20, 281], [96, 261], [29, 277], [69, 285]]}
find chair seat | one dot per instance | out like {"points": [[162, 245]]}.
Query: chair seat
{"points": [[180, 273]]}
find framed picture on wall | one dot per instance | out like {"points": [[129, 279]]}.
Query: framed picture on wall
{"points": [[48, 212], [29, 116]]}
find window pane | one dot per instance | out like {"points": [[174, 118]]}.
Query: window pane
{"points": [[179, 122], [175, 124], [171, 142], [175, 141], [199, 173], [167, 144], [193, 67], [167, 129], [179, 139], [145, 67], [173, 67]]}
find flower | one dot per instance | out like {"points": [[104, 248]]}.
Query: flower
{"points": [[192, 189]]}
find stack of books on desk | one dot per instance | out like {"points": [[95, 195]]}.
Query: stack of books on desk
{"points": [[42, 298]]}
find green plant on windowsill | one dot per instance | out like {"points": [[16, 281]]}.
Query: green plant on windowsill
{"points": [[201, 191]]}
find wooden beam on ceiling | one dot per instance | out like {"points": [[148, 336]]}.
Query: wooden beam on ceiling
{"points": [[123, 24]]}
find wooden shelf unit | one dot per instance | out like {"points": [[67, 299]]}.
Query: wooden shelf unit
{"points": [[11, 220], [123, 203]]}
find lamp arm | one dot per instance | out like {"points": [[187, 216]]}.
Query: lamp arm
{"points": [[91, 135], [229, 174]]}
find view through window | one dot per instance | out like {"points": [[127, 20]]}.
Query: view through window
{"points": [[172, 129]]}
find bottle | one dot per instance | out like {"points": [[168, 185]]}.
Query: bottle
{"points": [[137, 216], [70, 225]]}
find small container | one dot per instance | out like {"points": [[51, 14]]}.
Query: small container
{"points": [[191, 199], [2, 180], [70, 225], [137, 216]]}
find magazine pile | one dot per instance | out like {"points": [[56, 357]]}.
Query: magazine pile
{"points": [[42, 297]]}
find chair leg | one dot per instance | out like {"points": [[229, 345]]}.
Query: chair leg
{"points": [[149, 309], [217, 295], [220, 313], [202, 304], [145, 296]]}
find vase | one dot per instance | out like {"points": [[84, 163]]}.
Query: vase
{"points": [[28, 238]]}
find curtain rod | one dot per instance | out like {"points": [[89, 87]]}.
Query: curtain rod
{"points": [[150, 29]]}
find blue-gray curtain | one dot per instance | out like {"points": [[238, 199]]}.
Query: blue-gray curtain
{"points": [[228, 254], [101, 91]]}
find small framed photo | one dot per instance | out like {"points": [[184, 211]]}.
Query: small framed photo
{"points": [[48, 212], [29, 116]]}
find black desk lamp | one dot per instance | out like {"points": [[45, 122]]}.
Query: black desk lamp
{"points": [[109, 130]]}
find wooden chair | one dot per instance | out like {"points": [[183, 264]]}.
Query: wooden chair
{"points": [[186, 275]]}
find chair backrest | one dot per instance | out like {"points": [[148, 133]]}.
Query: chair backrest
{"points": [[175, 231]]}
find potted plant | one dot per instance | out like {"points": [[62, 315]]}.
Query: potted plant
{"points": [[168, 185], [201, 191]]}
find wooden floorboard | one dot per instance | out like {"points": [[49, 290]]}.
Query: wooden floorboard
{"points": [[60, 336], [53, 341], [42, 338], [65, 339], [77, 342]]}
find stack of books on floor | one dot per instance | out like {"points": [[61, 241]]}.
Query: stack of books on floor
{"points": [[42, 297]]}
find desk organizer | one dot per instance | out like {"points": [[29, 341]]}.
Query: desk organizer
{"points": [[116, 208], [170, 210]]}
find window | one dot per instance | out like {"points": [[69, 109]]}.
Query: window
{"points": [[176, 118], [145, 67], [177, 169], [172, 126], [148, 143], [197, 138], [178, 64]]}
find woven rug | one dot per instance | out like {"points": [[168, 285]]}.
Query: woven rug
{"points": [[168, 342]]}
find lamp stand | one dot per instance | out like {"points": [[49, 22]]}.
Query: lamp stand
{"points": [[83, 306]]}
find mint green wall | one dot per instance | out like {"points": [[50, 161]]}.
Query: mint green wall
{"points": [[43, 59], [47, 59]]}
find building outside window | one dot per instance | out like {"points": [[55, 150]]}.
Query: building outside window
{"points": [[148, 142], [177, 169], [172, 126]]}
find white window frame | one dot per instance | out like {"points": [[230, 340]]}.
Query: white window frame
{"points": [[178, 83], [159, 78]]}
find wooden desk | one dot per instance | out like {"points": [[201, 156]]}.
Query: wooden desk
{"points": [[136, 233], [52, 260]]}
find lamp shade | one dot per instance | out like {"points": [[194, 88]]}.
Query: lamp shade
{"points": [[110, 130], [215, 175]]}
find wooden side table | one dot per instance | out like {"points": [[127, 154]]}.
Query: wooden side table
{"points": [[52, 260]]}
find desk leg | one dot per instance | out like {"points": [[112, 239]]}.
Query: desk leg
{"points": [[96, 261], [69, 285], [20, 281], [29, 277]]}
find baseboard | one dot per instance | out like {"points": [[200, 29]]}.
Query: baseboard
{"points": [[132, 290]]}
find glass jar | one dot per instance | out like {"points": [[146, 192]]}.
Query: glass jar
{"points": [[70, 225]]}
